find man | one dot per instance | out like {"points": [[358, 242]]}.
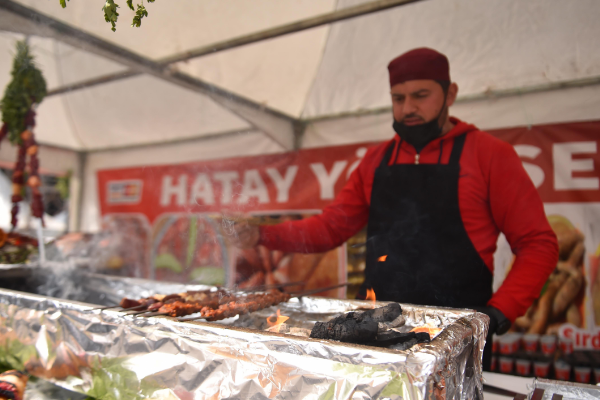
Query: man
{"points": [[435, 198]]}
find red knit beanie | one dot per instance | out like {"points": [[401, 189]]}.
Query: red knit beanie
{"points": [[421, 63]]}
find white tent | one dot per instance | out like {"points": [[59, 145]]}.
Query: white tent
{"points": [[195, 82]]}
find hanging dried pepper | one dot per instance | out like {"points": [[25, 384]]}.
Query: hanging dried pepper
{"points": [[26, 89]]}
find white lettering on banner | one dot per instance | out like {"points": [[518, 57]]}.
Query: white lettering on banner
{"points": [[202, 189], [254, 186], [169, 190], [360, 153], [565, 165], [535, 173], [327, 180], [581, 338], [283, 184], [226, 178]]}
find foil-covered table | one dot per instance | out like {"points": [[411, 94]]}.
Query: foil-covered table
{"points": [[111, 355]]}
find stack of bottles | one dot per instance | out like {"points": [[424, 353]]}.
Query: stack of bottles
{"points": [[544, 356]]}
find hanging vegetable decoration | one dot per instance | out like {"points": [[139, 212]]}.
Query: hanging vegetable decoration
{"points": [[23, 93], [111, 14]]}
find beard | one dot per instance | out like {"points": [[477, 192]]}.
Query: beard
{"points": [[419, 135]]}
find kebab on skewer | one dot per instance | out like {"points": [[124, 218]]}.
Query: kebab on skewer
{"points": [[251, 303], [214, 305], [156, 301], [209, 297], [229, 306]]}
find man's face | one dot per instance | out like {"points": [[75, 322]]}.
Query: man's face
{"points": [[419, 101]]}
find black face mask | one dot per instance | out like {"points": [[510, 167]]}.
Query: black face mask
{"points": [[418, 135]]}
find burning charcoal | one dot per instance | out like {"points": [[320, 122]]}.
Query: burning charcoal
{"points": [[405, 339], [357, 327], [387, 313], [346, 329], [399, 321], [406, 345], [423, 337], [389, 338], [319, 331]]}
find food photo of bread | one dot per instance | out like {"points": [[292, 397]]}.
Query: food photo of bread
{"points": [[561, 299]]}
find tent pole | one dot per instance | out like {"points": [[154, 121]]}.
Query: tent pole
{"points": [[308, 23], [489, 95], [298, 26], [76, 191]]}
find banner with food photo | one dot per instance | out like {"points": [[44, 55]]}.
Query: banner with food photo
{"points": [[184, 227], [563, 161], [180, 215]]}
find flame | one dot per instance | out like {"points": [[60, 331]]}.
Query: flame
{"points": [[371, 295], [382, 258], [433, 331], [278, 319]]}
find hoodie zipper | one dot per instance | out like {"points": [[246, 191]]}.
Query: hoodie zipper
{"points": [[417, 159]]}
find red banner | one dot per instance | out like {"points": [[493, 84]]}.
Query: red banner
{"points": [[303, 180], [563, 160]]}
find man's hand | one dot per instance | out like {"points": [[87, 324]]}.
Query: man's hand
{"points": [[241, 233], [499, 324]]}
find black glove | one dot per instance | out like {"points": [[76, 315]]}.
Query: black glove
{"points": [[499, 324]]}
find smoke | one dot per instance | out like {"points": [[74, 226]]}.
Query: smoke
{"points": [[70, 258]]}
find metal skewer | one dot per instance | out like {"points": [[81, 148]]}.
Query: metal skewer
{"points": [[270, 286], [103, 308], [319, 290], [136, 308], [153, 314], [143, 312]]}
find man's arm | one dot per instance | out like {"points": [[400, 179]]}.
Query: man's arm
{"points": [[519, 213], [340, 220]]}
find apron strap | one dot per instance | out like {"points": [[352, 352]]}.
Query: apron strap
{"points": [[457, 149], [388, 154]]}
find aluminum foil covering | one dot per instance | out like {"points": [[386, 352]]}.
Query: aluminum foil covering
{"points": [[569, 390], [111, 355]]}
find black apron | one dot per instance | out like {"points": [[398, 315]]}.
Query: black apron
{"points": [[418, 250]]}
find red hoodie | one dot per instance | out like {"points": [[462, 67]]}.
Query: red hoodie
{"points": [[495, 195]]}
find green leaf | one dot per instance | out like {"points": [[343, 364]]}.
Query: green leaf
{"points": [[110, 13], [139, 14], [63, 3], [130, 5]]}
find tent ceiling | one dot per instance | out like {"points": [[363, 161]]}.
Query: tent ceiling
{"points": [[340, 68]]}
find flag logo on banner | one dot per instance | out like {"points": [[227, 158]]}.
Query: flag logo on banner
{"points": [[124, 192]]}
